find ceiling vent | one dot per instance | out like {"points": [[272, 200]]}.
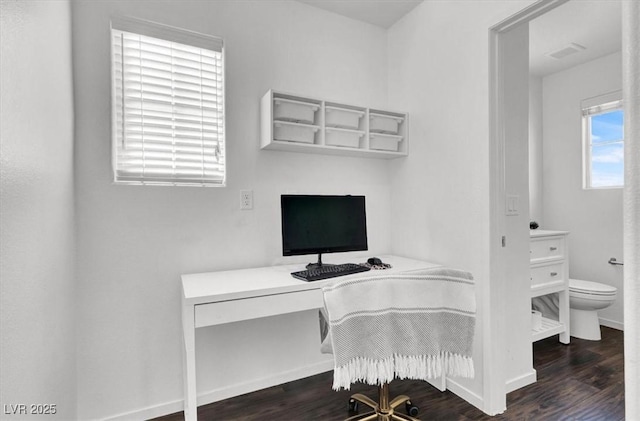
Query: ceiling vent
{"points": [[565, 51]]}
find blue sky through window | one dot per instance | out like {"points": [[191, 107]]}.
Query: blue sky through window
{"points": [[607, 149]]}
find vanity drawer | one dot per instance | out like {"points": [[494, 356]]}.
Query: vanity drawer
{"points": [[547, 248], [547, 274]]}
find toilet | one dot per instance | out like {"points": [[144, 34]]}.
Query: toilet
{"points": [[585, 299]]}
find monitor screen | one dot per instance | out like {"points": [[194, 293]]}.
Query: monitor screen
{"points": [[323, 224]]}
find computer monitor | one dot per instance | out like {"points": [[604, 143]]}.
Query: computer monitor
{"points": [[314, 224]]}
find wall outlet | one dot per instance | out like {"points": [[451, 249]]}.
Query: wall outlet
{"points": [[246, 199]]}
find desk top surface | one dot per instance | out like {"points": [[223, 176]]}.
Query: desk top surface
{"points": [[246, 283]]}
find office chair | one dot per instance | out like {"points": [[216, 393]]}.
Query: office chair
{"points": [[383, 409], [411, 325]]}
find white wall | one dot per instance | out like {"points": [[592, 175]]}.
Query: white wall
{"points": [[631, 205], [515, 85], [135, 242], [438, 72], [37, 298], [594, 216], [535, 150]]}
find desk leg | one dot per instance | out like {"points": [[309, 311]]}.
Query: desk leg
{"points": [[189, 363]]}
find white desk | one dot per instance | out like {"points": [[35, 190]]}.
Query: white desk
{"points": [[230, 296]]}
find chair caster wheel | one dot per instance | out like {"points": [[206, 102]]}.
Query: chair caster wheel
{"points": [[353, 406], [412, 410]]}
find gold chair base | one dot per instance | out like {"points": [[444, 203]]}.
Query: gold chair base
{"points": [[382, 410]]}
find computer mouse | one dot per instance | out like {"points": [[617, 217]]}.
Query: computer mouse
{"points": [[374, 261]]}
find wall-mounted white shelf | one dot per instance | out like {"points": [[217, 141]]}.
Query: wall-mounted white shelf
{"points": [[295, 123], [549, 266]]}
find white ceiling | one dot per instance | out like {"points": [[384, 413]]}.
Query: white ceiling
{"points": [[382, 13], [594, 24]]}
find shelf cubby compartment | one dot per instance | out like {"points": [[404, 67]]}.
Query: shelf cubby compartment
{"points": [[285, 131], [384, 142], [296, 123], [342, 137], [343, 117], [385, 123], [295, 111]]}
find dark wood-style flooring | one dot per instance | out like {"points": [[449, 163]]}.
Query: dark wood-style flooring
{"points": [[580, 381]]}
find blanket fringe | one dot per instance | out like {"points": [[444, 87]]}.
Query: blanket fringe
{"points": [[416, 367]]}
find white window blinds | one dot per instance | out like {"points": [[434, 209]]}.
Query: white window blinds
{"points": [[602, 108], [602, 103], [168, 106]]}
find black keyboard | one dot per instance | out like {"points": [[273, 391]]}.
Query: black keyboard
{"points": [[325, 272]]}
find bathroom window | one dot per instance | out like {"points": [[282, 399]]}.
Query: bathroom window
{"points": [[603, 132], [167, 106]]}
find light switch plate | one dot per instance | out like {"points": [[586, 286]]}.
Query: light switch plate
{"points": [[513, 205]]}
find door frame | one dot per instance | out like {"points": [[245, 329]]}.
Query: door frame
{"points": [[494, 386]]}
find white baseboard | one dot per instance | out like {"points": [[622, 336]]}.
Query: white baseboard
{"points": [[521, 381], [258, 384], [612, 324], [465, 394], [287, 376], [238, 389], [222, 393], [149, 412]]}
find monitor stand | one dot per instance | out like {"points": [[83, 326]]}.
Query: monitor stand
{"points": [[318, 264]]}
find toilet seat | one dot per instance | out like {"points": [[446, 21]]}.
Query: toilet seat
{"points": [[591, 288]]}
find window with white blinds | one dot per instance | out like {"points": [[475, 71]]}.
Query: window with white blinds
{"points": [[603, 137], [168, 105]]}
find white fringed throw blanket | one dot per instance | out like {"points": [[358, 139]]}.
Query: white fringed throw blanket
{"points": [[415, 325]]}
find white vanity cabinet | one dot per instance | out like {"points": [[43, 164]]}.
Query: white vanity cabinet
{"points": [[549, 268], [290, 122]]}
